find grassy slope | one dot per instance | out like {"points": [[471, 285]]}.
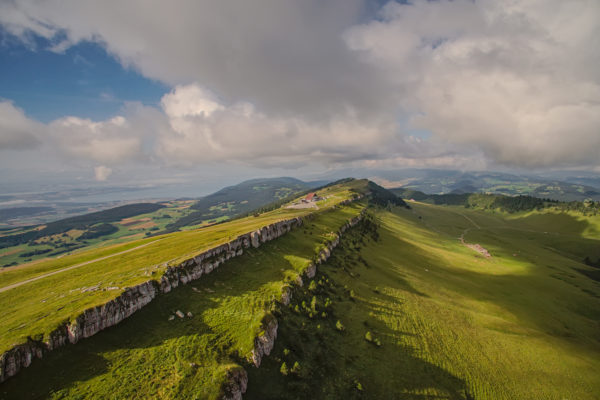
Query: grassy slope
{"points": [[38, 307], [520, 325], [148, 356], [238, 200]]}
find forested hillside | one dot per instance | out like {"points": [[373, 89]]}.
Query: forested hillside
{"points": [[499, 202]]}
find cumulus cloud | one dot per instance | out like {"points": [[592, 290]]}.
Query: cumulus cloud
{"points": [[204, 130], [107, 141], [17, 132], [517, 79], [498, 81], [126, 138], [101, 173], [284, 56]]}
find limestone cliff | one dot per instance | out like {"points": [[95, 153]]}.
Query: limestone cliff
{"points": [[95, 319]]}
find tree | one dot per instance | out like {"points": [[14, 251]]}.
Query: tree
{"points": [[284, 369], [296, 368]]}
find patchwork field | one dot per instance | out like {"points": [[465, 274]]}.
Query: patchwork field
{"points": [[75, 240]]}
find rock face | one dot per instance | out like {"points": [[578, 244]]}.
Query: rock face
{"points": [[95, 319], [90, 322], [263, 343], [286, 295], [236, 384]]}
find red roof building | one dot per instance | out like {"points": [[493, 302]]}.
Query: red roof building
{"points": [[309, 197]]}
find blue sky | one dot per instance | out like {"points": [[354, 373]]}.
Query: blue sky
{"points": [[83, 81]]}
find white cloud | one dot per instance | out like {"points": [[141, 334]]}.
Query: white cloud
{"points": [[17, 132], [519, 80], [101, 173], [190, 100], [509, 82], [108, 141], [204, 130]]}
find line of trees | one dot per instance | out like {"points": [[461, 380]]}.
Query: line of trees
{"points": [[501, 202]]}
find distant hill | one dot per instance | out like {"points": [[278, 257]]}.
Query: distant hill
{"points": [[457, 182], [501, 202], [16, 212], [240, 199], [81, 222], [134, 221]]}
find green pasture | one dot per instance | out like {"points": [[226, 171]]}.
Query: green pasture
{"points": [[36, 308], [150, 356], [452, 324]]}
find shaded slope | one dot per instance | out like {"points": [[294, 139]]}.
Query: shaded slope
{"points": [[240, 199]]}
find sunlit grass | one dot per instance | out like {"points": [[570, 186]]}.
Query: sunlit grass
{"points": [[148, 356], [37, 308], [452, 324]]}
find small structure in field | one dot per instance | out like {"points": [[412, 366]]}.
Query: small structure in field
{"points": [[311, 198]]}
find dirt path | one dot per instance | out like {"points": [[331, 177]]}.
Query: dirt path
{"points": [[14, 285], [476, 246], [471, 221]]}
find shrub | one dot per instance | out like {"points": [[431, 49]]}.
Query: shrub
{"points": [[371, 339], [296, 368], [284, 369], [358, 385]]}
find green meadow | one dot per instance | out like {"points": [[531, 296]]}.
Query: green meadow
{"points": [[150, 356], [403, 309], [36, 308], [411, 313]]}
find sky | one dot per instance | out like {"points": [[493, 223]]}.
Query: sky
{"points": [[150, 92]]}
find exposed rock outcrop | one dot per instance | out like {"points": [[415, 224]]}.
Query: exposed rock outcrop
{"points": [[263, 343], [236, 384], [95, 319], [85, 325]]}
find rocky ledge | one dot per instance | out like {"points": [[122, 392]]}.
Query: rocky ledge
{"points": [[236, 384], [95, 319], [265, 341]]}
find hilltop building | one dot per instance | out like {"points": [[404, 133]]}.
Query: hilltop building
{"points": [[311, 198]]}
